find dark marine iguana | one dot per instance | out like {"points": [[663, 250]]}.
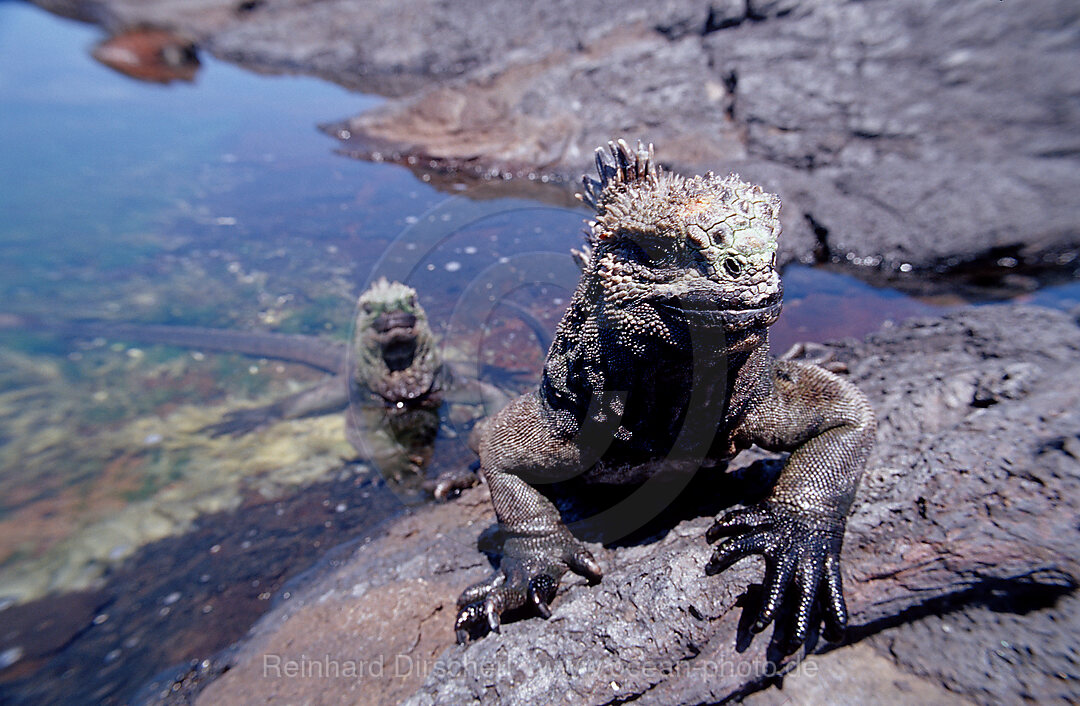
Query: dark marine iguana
{"points": [[391, 379], [661, 363]]}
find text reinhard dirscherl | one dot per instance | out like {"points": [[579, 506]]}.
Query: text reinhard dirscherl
{"points": [[277, 666]]}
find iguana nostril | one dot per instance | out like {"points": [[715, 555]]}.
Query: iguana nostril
{"points": [[732, 267]]}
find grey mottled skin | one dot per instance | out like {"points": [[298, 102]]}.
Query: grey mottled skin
{"points": [[661, 362], [396, 382]]}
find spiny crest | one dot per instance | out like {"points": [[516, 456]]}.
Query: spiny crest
{"points": [[383, 293], [626, 167], [730, 199], [633, 195]]}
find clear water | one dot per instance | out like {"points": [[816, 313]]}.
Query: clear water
{"points": [[219, 203]]}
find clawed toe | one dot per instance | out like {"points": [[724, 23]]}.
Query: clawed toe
{"points": [[541, 593], [450, 484], [484, 603], [802, 566]]}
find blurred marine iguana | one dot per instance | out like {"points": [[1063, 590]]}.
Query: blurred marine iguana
{"points": [[661, 366], [391, 379]]}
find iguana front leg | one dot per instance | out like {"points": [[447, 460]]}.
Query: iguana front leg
{"points": [[828, 427], [538, 548]]}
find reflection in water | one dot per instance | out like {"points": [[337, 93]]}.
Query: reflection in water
{"points": [[153, 55]]}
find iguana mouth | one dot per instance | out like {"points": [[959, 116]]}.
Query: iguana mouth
{"points": [[712, 309], [396, 334], [398, 353]]}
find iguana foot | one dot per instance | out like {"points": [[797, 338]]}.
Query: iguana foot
{"points": [[530, 573], [815, 354], [798, 554], [449, 484]]}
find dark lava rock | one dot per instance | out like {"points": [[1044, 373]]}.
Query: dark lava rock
{"points": [[966, 519], [907, 139]]}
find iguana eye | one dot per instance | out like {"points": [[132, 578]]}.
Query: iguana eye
{"points": [[652, 248], [653, 251]]}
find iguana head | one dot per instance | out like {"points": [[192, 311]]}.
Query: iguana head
{"points": [[394, 349], [702, 247]]}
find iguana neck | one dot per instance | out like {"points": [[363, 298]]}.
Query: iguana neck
{"points": [[600, 369], [420, 380]]}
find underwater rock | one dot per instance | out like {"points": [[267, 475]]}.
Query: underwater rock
{"points": [[66, 534], [179, 600], [967, 500]]}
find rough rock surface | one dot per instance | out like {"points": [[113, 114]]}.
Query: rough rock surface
{"points": [[970, 499], [905, 138], [852, 676]]}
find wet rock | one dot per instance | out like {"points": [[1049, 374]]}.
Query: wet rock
{"points": [[907, 140], [180, 600], [966, 508], [29, 635]]}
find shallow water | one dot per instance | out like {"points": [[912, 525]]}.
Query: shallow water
{"points": [[218, 203]]}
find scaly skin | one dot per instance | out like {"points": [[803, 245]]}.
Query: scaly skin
{"points": [[661, 362], [396, 381]]}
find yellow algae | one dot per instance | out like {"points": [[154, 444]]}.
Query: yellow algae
{"points": [[85, 491]]}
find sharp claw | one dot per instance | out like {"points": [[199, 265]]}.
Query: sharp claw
{"points": [[832, 633], [738, 521], [450, 484], [582, 563], [492, 616], [796, 552], [730, 551], [443, 492], [465, 617], [714, 533], [541, 592], [527, 576], [807, 580], [777, 579], [836, 615], [543, 609]]}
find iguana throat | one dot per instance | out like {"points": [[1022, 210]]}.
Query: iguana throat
{"points": [[393, 345]]}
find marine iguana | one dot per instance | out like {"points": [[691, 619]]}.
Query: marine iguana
{"points": [[661, 364], [391, 379]]}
